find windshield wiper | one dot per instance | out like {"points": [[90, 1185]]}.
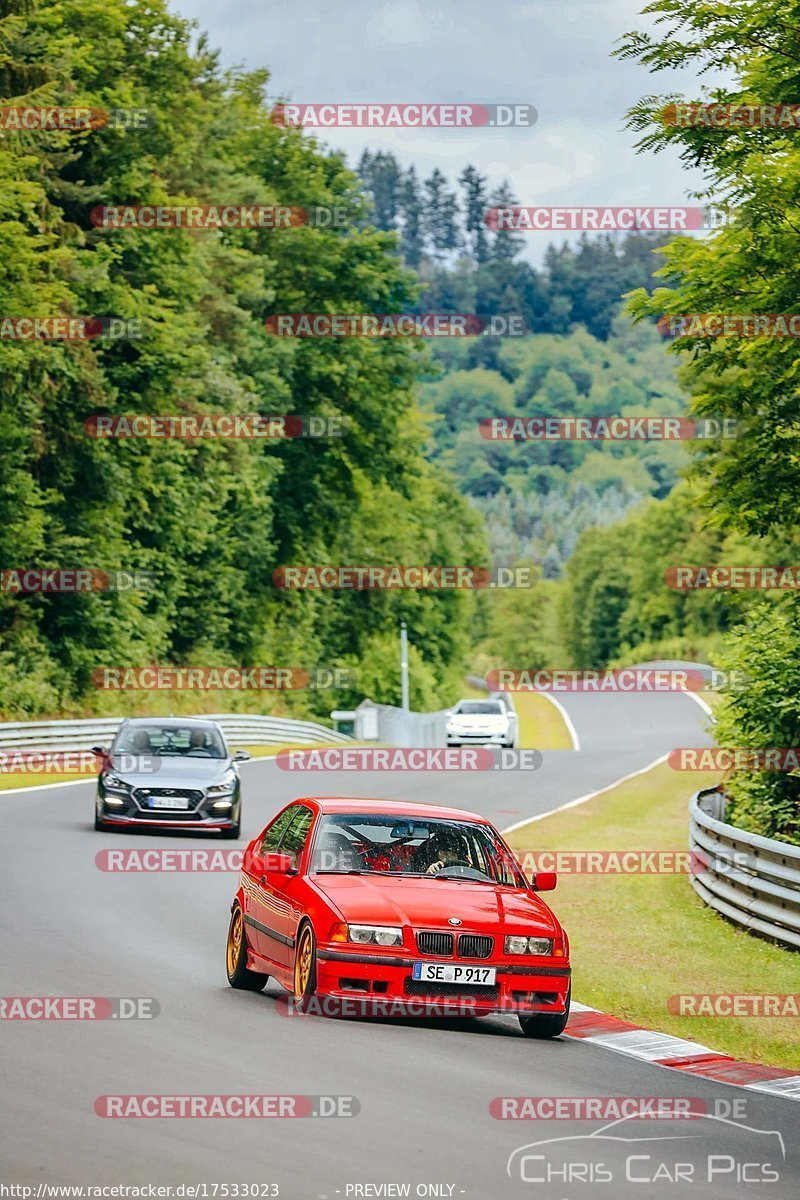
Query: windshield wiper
{"points": [[461, 878], [353, 871]]}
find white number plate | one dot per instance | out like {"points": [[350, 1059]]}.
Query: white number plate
{"points": [[429, 972], [168, 801]]}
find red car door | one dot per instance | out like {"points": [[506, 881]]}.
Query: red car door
{"points": [[254, 868], [279, 893]]}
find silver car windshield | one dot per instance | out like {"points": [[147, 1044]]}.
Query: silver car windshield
{"points": [[170, 741]]}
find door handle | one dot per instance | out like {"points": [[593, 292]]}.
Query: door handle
{"points": [[263, 879]]}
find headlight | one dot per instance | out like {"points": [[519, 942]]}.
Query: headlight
{"points": [[375, 935], [114, 781], [517, 944], [222, 789]]}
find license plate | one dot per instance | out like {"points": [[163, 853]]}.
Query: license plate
{"points": [[167, 801], [429, 972]]}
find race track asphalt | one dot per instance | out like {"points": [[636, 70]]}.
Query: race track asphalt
{"points": [[423, 1088]]}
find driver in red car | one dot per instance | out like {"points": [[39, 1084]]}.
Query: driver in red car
{"points": [[444, 848]]}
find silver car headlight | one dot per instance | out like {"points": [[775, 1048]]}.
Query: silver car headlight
{"points": [[519, 944], [375, 935], [222, 789], [114, 781]]}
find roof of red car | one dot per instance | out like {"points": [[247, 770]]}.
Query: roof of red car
{"points": [[402, 807]]}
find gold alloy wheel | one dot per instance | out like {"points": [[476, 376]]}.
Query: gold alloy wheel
{"points": [[235, 940], [302, 964]]}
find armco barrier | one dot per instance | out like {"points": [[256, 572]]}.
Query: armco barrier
{"points": [[752, 880], [239, 729], [398, 727]]}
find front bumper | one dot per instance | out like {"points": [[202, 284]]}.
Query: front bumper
{"points": [[464, 738], [210, 825], [346, 974], [127, 809]]}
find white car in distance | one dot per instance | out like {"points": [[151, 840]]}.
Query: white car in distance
{"points": [[487, 722]]}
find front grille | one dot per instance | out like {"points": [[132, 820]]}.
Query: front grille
{"points": [[417, 987], [435, 943], [194, 797], [471, 945]]}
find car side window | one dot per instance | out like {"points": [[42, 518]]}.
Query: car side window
{"points": [[294, 839], [274, 832]]}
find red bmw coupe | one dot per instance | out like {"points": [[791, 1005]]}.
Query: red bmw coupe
{"points": [[400, 903]]}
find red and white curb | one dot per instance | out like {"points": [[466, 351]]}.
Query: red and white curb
{"points": [[664, 1050]]}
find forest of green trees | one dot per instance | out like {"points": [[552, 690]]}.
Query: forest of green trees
{"points": [[411, 480], [211, 519]]}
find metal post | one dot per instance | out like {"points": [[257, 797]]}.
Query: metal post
{"points": [[404, 703]]}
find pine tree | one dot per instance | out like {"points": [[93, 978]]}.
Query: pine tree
{"points": [[441, 216], [475, 204], [505, 244], [412, 238]]}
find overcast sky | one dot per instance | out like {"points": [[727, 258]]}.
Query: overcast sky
{"points": [[554, 54]]}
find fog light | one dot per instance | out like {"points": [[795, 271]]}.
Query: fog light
{"points": [[113, 800], [222, 804]]}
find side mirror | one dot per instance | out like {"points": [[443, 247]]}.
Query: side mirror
{"points": [[241, 756], [101, 751], [544, 881], [276, 863]]}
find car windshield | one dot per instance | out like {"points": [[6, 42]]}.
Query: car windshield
{"points": [[348, 843], [169, 741], [471, 708]]}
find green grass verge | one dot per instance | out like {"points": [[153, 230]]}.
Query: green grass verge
{"points": [[541, 725], [639, 939]]}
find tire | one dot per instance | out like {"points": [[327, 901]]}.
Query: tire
{"points": [[543, 1025], [100, 826], [231, 833], [305, 967], [239, 975]]}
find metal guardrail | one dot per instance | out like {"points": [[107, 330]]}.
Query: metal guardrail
{"points": [[239, 729], [398, 727], [752, 880]]}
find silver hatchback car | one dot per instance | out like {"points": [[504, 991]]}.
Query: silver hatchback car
{"points": [[171, 773]]}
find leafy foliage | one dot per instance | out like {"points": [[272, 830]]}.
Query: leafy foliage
{"points": [[211, 519]]}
